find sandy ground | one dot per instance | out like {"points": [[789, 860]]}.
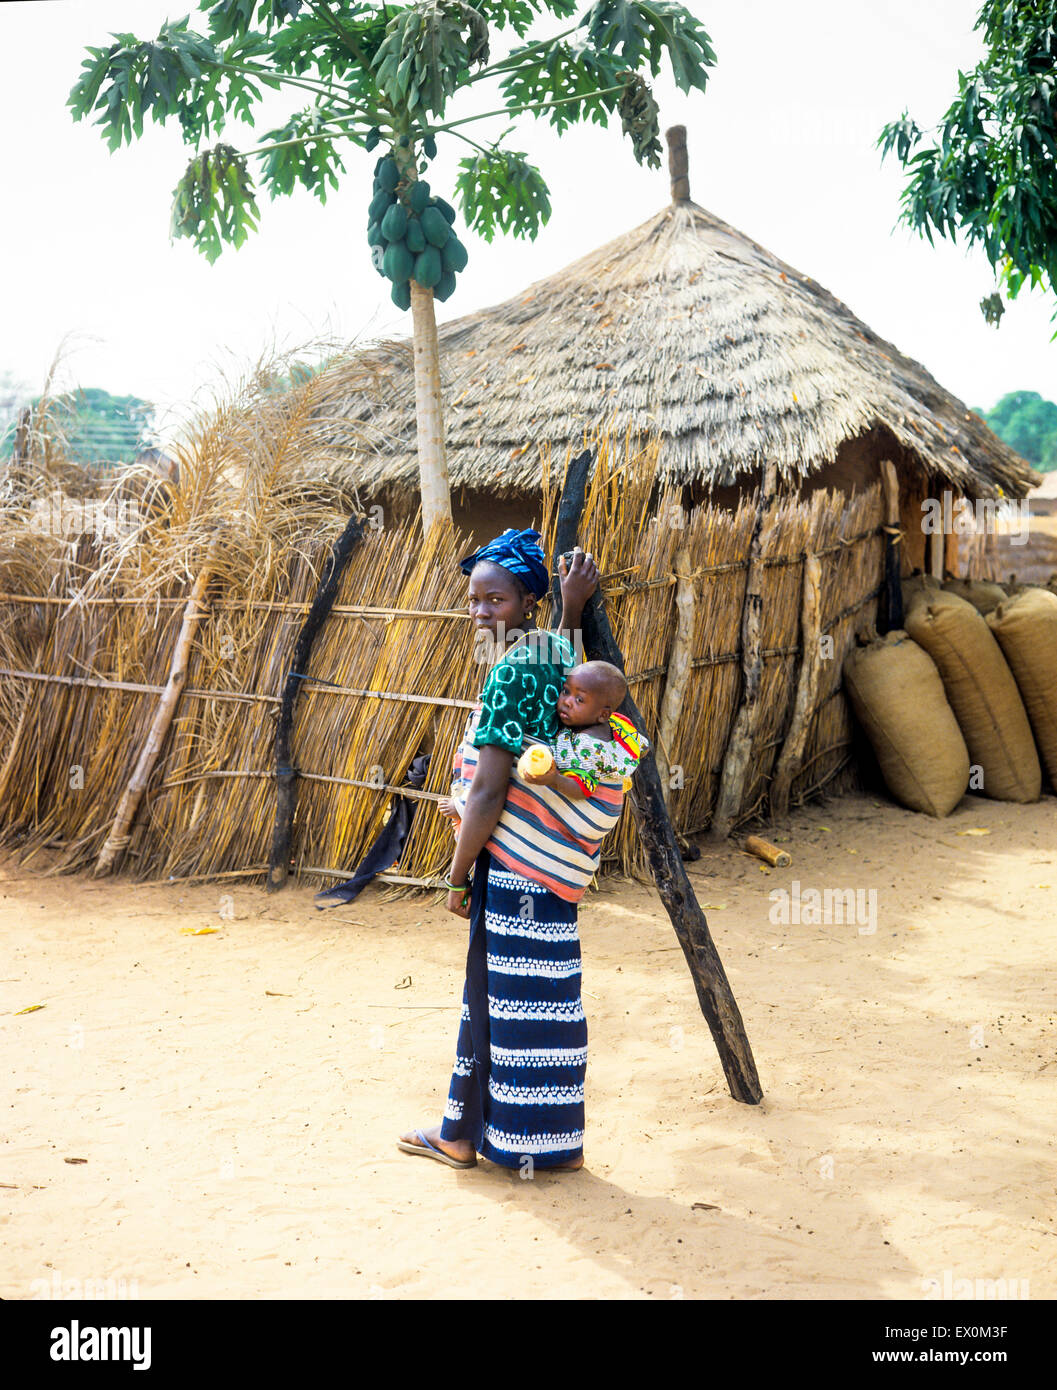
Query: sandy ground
{"points": [[236, 1095]]}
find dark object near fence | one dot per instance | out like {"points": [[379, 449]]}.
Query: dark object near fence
{"points": [[387, 848], [285, 774]]}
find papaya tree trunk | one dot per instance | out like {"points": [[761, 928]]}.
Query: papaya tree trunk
{"points": [[429, 413]]}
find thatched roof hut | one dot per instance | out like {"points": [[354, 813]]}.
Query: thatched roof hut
{"points": [[686, 327]]}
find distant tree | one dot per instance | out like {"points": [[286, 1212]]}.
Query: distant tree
{"points": [[1026, 422], [988, 169], [96, 427], [381, 75], [14, 394]]}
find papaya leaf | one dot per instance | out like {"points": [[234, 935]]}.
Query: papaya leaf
{"points": [[519, 14], [214, 201], [501, 191], [426, 53], [571, 68], [314, 165], [230, 18], [638, 31]]}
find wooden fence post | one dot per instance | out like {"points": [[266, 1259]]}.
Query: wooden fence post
{"points": [[678, 666], [117, 841], [792, 754], [738, 757], [892, 607]]}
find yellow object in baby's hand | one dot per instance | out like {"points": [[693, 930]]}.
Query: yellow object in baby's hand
{"points": [[535, 762]]}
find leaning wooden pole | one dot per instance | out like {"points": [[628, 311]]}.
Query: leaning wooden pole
{"points": [[738, 758], [285, 773], [714, 994], [791, 757], [892, 606], [118, 839]]}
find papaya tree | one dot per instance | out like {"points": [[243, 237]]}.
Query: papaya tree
{"points": [[375, 76]]}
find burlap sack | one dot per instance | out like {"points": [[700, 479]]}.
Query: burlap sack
{"points": [[1026, 628], [982, 693], [984, 595], [914, 585], [897, 695]]}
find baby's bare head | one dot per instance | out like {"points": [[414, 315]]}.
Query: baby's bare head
{"points": [[592, 692]]}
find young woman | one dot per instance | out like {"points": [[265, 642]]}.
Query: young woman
{"points": [[516, 1093]]}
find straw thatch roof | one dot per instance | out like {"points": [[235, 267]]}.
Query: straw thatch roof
{"points": [[686, 326]]}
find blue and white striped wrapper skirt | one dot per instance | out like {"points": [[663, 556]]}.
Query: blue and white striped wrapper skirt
{"points": [[517, 1090]]}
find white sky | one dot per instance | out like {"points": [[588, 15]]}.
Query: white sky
{"points": [[781, 146]]}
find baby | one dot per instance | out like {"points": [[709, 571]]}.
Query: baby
{"points": [[593, 742]]}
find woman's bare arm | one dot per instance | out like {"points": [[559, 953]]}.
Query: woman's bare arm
{"points": [[484, 806]]}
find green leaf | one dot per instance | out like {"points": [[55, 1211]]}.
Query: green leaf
{"points": [[233, 17], [426, 53], [314, 165], [501, 191], [519, 14], [641, 31], [214, 201], [570, 68]]}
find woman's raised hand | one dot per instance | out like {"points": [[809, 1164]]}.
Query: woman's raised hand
{"points": [[579, 579]]}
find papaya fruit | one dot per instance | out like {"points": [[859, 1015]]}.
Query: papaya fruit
{"points": [[445, 285], [374, 235], [434, 227], [428, 268], [373, 136], [445, 209], [419, 196], [380, 205], [429, 146], [398, 262], [394, 223], [416, 242], [389, 174], [453, 254], [400, 294]]}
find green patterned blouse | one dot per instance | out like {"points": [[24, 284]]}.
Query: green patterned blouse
{"points": [[520, 694]]}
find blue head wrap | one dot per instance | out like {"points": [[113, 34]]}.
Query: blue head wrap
{"points": [[517, 551]]}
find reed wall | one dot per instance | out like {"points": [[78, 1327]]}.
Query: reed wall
{"points": [[392, 672]]}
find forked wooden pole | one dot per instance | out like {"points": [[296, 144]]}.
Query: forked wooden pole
{"points": [[714, 994], [117, 841]]}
